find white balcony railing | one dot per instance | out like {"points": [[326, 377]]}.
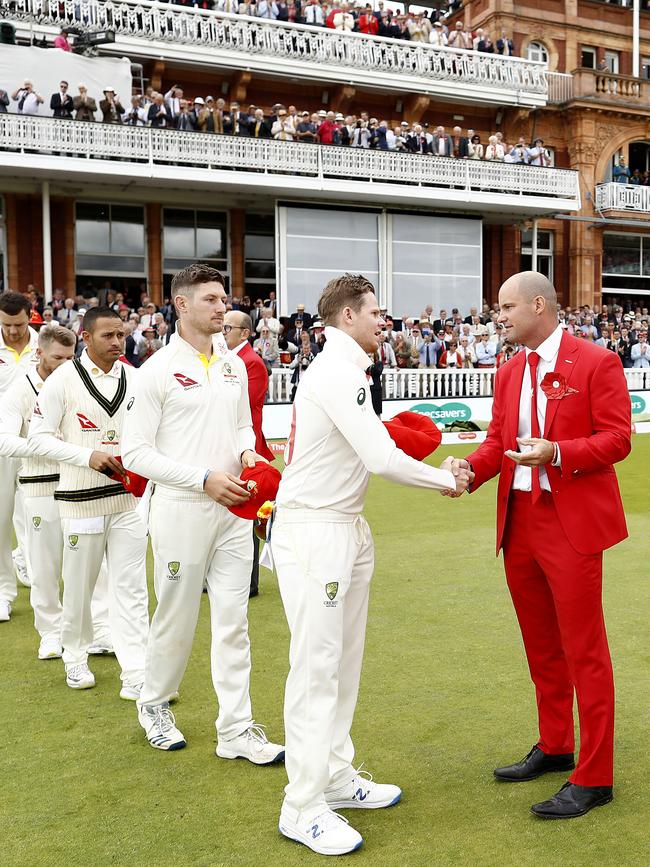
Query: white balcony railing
{"points": [[560, 87], [252, 40], [622, 197], [445, 384], [207, 151]]}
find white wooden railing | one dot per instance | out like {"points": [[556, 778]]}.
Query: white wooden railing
{"points": [[441, 384], [252, 37], [622, 197], [204, 150], [560, 87]]}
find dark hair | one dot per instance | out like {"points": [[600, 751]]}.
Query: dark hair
{"points": [[476, 138], [195, 275], [12, 303], [91, 316], [348, 290]]}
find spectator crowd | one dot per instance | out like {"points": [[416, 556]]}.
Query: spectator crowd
{"points": [[428, 341], [172, 110]]}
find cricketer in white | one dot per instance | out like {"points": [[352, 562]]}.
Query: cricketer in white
{"points": [[324, 557], [38, 478], [189, 430], [78, 421]]}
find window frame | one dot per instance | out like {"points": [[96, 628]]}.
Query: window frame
{"points": [[227, 259], [540, 51], [99, 272]]}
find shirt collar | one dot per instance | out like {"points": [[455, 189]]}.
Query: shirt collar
{"points": [[179, 343], [32, 344], [95, 371], [346, 346], [550, 347], [239, 348]]}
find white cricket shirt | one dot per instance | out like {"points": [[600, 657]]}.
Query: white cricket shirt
{"points": [[12, 364], [337, 440], [188, 415]]}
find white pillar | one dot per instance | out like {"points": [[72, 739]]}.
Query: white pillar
{"points": [[47, 244], [533, 264], [636, 70]]}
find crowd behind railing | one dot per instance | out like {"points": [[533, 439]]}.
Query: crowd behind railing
{"points": [[172, 110], [430, 341]]}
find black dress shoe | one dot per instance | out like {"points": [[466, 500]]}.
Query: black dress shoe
{"points": [[572, 801], [534, 765]]}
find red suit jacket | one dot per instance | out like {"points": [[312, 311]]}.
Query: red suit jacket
{"points": [[258, 383], [593, 429]]}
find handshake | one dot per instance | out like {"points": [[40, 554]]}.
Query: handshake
{"points": [[461, 471]]}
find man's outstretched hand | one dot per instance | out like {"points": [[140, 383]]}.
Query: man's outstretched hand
{"points": [[538, 452], [462, 473]]}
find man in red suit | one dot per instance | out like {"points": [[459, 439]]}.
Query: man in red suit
{"points": [[238, 327], [560, 420]]}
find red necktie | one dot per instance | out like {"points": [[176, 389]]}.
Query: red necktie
{"points": [[533, 361]]}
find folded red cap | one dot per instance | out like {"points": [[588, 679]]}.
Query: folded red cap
{"points": [[263, 481], [133, 483], [415, 434]]}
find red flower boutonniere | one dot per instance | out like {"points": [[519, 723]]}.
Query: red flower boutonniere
{"points": [[554, 386]]}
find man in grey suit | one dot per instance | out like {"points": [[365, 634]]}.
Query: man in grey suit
{"points": [[441, 145]]}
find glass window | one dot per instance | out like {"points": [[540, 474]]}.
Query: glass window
{"points": [[110, 238], [3, 254], [645, 67], [588, 57], [191, 236], [622, 254], [545, 242], [612, 61], [537, 51], [259, 254]]}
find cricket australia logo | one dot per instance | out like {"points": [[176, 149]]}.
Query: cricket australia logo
{"points": [[73, 540], [36, 521], [174, 567], [110, 435], [331, 589]]}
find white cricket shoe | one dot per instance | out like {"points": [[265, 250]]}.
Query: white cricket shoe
{"points": [[101, 647], [21, 569], [361, 793], [131, 691], [159, 726], [253, 745], [327, 834], [79, 676], [50, 648], [5, 610]]}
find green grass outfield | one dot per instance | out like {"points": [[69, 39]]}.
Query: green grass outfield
{"points": [[445, 697]]}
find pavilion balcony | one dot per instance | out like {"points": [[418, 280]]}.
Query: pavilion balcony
{"points": [[623, 197], [177, 34], [62, 150]]}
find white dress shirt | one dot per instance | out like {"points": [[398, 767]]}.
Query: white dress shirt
{"points": [[548, 352]]}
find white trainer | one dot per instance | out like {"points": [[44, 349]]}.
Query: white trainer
{"points": [[21, 569], [327, 834], [131, 691], [253, 745], [361, 793], [5, 610], [79, 676], [50, 648], [102, 647], [159, 726]]}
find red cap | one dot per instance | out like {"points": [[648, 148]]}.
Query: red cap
{"points": [[415, 434], [263, 481], [35, 318], [133, 483]]}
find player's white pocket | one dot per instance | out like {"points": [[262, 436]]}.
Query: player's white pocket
{"points": [[86, 526]]}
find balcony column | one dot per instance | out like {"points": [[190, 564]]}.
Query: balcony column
{"points": [[533, 257], [154, 252], [47, 242], [636, 60], [237, 220]]}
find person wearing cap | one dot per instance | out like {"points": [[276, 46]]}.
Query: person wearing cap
{"points": [[189, 430], [323, 553], [111, 107], [639, 352], [149, 343], [306, 131], [238, 328], [438, 37], [538, 155]]}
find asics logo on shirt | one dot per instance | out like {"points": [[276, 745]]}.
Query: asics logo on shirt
{"points": [[185, 381], [85, 422]]}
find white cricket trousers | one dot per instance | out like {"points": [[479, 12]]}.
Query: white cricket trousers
{"points": [[193, 538], [44, 556], [124, 542], [11, 518], [324, 563]]}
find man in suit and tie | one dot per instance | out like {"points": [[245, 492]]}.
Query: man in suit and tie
{"points": [[560, 420], [62, 103], [236, 122], [68, 315], [259, 128], [302, 315], [237, 329]]}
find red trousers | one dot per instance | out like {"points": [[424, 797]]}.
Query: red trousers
{"points": [[557, 594]]}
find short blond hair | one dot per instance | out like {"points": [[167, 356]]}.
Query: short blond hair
{"points": [[348, 290], [53, 333]]}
